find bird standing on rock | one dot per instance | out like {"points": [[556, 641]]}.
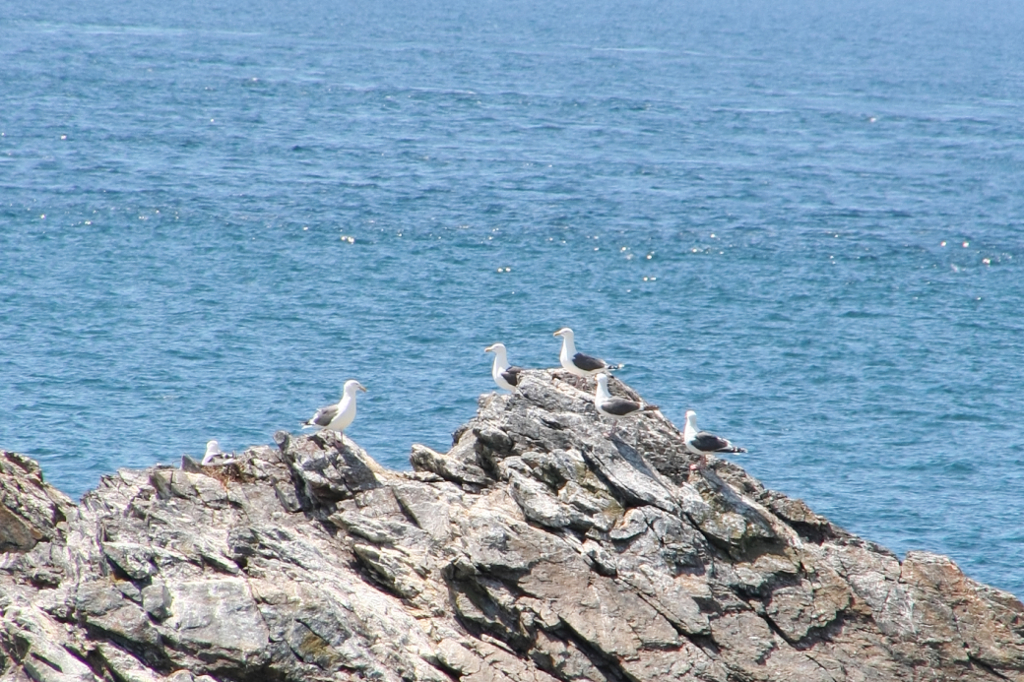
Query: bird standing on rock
{"points": [[339, 416], [577, 363], [702, 443], [506, 376], [613, 406]]}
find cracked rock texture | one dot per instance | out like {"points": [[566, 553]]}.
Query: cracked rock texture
{"points": [[536, 549]]}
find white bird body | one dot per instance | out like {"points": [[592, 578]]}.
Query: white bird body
{"points": [[578, 363], [614, 407], [339, 416], [214, 455], [703, 443], [506, 376]]}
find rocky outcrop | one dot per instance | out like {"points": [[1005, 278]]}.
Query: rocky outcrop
{"points": [[536, 549]]}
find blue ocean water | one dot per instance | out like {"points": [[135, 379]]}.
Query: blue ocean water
{"points": [[804, 220]]}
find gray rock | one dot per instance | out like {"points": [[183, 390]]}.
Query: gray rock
{"points": [[535, 549], [30, 510]]}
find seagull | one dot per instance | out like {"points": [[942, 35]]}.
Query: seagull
{"points": [[214, 455], [702, 442], [614, 407], [577, 363], [507, 377], [337, 417]]}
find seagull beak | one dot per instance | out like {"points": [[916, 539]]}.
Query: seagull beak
{"points": [[362, 388], [488, 349], [558, 333]]}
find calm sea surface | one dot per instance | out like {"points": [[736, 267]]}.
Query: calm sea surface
{"points": [[804, 220]]}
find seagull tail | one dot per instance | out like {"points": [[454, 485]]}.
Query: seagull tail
{"points": [[735, 448], [650, 408], [612, 368]]}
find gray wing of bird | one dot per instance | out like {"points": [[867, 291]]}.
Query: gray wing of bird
{"points": [[709, 442], [511, 375], [620, 407], [323, 417], [588, 363]]}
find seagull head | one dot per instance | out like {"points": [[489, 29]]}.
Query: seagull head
{"points": [[602, 380], [564, 332], [213, 448], [351, 386], [495, 348], [691, 419]]}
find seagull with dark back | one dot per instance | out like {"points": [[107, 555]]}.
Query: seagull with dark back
{"points": [[339, 416], [703, 443], [578, 363], [505, 375], [615, 407]]}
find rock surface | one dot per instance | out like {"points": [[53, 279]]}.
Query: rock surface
{"points": [[535, 550]]}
